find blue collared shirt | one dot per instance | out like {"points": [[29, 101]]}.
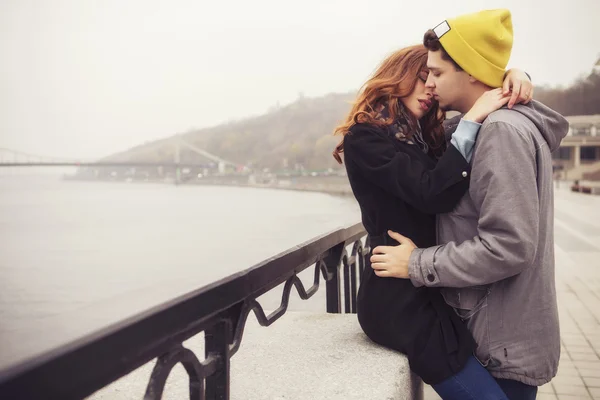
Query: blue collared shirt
{"points": [[464, 137]]}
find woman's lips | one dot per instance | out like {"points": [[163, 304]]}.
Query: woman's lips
{"points": [[425, 104]]}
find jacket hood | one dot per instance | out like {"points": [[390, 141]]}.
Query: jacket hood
{"points": [[552, 125]]}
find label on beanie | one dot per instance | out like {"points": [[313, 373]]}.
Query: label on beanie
{"points": [[441, 29]]}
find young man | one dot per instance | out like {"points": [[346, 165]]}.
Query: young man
{"points": [[496, 267]]}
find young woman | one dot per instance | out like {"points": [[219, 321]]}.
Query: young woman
{"points": [[402, 173]]}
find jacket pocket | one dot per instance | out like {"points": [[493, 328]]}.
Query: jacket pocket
{"points": [[468, 301], [471, 305]]}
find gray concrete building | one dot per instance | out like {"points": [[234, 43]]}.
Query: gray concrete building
{"points": [[579, 154]]}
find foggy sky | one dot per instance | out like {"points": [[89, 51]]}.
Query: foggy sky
{"points": [[82, 78]]}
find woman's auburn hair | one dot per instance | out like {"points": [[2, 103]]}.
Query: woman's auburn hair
{"points": [[393, 80]]}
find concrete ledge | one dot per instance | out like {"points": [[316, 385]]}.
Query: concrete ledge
{"points": [[300, 356]]}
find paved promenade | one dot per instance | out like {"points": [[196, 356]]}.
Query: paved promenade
{"points": [[577, 240]]}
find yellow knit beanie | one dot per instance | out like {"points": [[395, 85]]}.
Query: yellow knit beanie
{"points": [[480, 43]]}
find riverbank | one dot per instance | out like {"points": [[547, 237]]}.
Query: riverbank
{"points": [[337, 185], [333, 184]]}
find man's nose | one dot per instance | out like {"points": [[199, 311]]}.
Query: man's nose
{"points": [[429, 82]]}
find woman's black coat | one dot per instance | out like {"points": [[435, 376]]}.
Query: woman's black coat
{"points": [[400, 188]]}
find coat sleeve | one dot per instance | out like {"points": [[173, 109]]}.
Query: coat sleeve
{"points": [[432, 191], [504, 192]]}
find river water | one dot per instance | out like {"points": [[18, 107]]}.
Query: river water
{"points": [[78, 256]]}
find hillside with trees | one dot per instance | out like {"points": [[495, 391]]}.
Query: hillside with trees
{"points": [[580, 98], [300, 134]]}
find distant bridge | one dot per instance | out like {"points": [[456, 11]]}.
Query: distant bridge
{"points": [[16, 158]]}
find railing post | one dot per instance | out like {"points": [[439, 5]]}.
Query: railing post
{"points": [[356, 270], [353, 281], [333, 284], [348, 296], [217, 339], [334, 295]]}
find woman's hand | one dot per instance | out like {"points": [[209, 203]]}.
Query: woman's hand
{"points": [[487, 103], [518, 84]]}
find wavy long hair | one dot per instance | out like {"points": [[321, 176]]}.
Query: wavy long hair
{"points": [[394, 79]]}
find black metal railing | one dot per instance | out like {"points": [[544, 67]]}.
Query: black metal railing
{"points": [[219, 310]]}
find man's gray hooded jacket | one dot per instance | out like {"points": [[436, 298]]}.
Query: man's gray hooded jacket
{"points": [[497, 263]]}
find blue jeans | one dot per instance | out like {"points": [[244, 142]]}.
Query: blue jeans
{"points": [[517, 390], [474, 382]]}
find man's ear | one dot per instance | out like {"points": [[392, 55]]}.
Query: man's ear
{"points": [[471, 79]]}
